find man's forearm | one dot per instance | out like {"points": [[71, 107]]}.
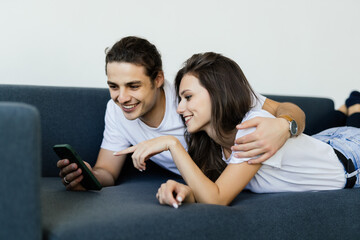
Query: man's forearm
{"points": [[294, 112], [104, 177]]}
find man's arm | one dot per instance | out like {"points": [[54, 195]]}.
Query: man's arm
{"points": [[270, 134], [108, 167], [286, 109], [106, 170]]}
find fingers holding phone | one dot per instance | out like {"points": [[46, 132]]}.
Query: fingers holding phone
{"points": [[74, 170], [71, 175]]}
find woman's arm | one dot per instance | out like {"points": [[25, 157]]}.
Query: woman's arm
{"points": [[230, 183]]}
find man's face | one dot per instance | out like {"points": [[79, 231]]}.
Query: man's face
{"points": [[131, 89]]}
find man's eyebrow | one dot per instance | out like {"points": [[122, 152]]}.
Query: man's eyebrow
{"points": [[134, 82], [128, 83], [111, 83]]}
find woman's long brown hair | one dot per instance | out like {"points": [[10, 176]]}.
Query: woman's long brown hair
{"points": [[231, 98]]}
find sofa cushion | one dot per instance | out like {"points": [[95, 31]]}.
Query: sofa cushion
{"points": [[131, 211]]}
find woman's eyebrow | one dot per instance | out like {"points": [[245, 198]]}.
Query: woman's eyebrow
{"points": [[184, 91]]}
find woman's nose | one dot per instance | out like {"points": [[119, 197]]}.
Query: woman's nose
{"points": [[181, 107]]}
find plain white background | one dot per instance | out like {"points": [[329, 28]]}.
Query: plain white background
{"points": [[307, 47]]}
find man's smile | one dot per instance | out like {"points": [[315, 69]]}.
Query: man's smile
{"points": [[129, 107]]}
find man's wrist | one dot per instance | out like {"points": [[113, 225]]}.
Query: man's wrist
{"points": [[293, 127]]}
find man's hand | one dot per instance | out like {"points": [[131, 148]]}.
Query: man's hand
{"points": [[270, 135], [173, 194], [71, 175]]}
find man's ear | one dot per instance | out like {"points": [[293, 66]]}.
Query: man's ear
{"points": [[160, 79]]}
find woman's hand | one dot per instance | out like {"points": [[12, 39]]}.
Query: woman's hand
{"points": [[173, 194], [146, 149]]}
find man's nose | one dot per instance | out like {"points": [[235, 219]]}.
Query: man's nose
{"points": [[123, 96]]}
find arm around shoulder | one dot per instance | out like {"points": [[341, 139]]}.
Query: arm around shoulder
{"points": [[286, 109]]}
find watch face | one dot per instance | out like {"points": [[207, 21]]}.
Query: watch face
{"points": [[293, 128]]}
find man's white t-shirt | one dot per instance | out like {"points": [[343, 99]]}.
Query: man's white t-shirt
{"points": [[302, 164], [121, 133]]}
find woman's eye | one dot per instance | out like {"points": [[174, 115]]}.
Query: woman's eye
{"points": [[188, 97]]}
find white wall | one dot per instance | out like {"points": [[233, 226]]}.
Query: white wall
{"points": [[305, 47]]}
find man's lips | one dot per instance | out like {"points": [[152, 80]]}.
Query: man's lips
{"points": [[129, 107]]}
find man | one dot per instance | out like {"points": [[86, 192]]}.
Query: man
{"points": [[143, 106]]}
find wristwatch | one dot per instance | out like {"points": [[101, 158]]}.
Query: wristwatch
{"points": [[293, 127]]}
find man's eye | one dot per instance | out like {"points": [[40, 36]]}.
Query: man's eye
{"points": [[112, 86], [134, 86]]}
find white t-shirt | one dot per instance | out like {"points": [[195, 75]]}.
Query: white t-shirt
{"points": [[121, 133], [302, 164]]}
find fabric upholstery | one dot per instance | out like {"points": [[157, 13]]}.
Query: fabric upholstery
{"points": [[318, 111], [68, 115], [20, 212], [129, 210]]}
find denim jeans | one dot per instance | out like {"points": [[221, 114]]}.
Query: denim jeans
{"points": [[347, 141]]}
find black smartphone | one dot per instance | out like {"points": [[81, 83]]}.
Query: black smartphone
{"points": [[66, 151]]}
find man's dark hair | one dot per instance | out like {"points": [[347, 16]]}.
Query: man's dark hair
{"points": [[137, 51]]}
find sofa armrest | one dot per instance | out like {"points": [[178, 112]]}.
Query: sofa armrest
{"points": [[20, 161]]}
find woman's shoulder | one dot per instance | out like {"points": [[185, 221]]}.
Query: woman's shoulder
{"points": [[250, 115], [257, 113]]}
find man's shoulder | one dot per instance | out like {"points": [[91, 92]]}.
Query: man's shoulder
{"points": [[169, 88]]}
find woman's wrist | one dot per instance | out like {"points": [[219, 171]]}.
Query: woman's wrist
{"points": [[172, 142]]}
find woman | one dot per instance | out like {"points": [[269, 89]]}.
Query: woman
{"points": [[211, 109]]}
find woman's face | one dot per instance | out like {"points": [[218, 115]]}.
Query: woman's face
{"points": [[195, 104]]}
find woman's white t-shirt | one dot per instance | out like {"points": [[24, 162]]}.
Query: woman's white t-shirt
{"points": [[302, 164]]}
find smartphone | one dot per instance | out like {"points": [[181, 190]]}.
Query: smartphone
{"points": [[66, 151]]}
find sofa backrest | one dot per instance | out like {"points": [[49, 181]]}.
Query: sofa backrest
{"points": [[76, 116], [319, 111], [68, 115]]}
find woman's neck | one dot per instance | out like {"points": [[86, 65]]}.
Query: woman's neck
{"points": [[226, 142]]}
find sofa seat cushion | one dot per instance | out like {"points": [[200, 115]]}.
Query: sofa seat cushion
{"points": [[130, 210]]}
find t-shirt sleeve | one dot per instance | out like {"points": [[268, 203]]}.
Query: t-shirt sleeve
{"points": [[113, 138], [258, 101], [243, 132], [273, 161]]}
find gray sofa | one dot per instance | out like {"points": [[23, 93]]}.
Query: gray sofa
{"points": [[35, 205]]}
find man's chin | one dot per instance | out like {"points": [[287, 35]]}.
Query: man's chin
{"points": [[130, 116]]}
